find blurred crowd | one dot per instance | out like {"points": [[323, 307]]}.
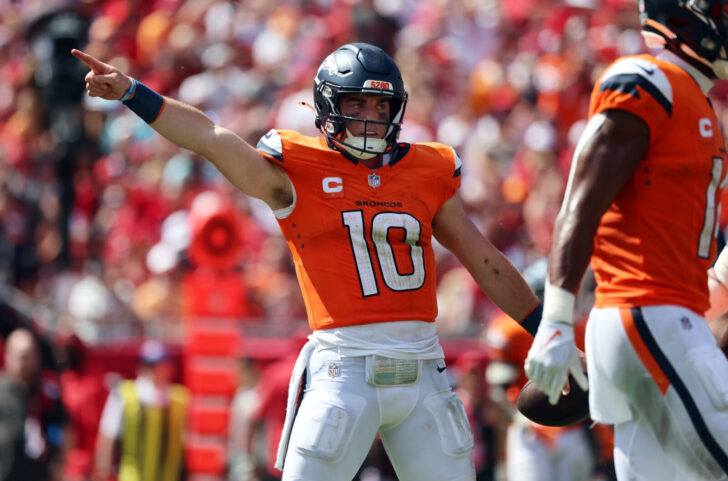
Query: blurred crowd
{"points": [[95, 207], [93, 203]]}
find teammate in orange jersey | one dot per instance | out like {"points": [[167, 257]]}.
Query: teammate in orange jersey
{"points": [[643, 201], [359, 211]]}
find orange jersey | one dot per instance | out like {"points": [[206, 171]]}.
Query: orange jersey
{"points": [[657, 240], [361, 238]]}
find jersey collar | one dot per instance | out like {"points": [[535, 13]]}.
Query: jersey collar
{"points": [[703, 81]]}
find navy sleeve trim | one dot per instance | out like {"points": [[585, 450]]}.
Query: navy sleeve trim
{"points": [[628, 82]]}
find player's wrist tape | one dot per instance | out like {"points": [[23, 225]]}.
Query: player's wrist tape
{"points": [[558, 304], [129, 92], [146, 103], [533, 319]]}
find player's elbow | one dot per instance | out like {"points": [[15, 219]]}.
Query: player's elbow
{"points": [[207, 140]]}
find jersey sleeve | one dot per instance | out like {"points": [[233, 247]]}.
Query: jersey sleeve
{"points": [[271, 146], [457, 165], [449, 168], [638, 86]]}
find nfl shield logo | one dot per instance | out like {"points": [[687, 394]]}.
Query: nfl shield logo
{"points": [[334, 369], [374, 180]]}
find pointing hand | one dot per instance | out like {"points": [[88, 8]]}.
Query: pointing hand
{"points": [[103, 80]]}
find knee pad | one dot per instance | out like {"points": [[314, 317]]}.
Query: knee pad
{"points": [[447, 409], [326, 422], [710, 366]]}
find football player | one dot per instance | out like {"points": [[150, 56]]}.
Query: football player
{"points": [[642, 202], [359, 211]]}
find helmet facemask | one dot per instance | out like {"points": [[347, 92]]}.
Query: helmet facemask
{"points": [[365, 147]]}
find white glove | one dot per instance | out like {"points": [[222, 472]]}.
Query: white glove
{"points": [[552, 355]]}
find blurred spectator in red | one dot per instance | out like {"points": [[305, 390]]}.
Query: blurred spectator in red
{"points": [[83, 395], [33, 422]]}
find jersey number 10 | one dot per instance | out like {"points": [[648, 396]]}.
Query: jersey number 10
{"points": [[381, 223]]}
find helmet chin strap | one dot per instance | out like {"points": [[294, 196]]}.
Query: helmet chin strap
{"points": [[363, 147]]}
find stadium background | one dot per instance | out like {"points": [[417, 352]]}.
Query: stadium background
{"points": [[105, 227]]}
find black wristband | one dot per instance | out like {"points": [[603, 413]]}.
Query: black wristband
{"points": [[146, 103], [533, 319]]}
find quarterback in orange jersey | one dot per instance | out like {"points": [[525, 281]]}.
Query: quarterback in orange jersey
{"points": [[643, 202], [359, 211]]}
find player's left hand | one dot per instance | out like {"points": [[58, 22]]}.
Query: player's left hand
{"points": [[552, 355]]}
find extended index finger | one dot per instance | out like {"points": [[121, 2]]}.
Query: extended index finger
{"points": [[95, 64]]}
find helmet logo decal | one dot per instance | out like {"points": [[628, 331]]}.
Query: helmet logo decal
{"points": [[330, 65], [378, 84], [374, 180]]}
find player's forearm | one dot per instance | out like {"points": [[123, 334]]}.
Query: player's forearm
{"points": [[571, 250], [491, 269], [505, 286], [237, 160], [494, 273], [185, 126]]}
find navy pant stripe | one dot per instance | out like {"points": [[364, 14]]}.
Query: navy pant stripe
{"points": [[682, 391]]}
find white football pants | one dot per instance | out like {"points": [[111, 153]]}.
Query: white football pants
{"points": [[424, 428], [530, 458], [656, 374]]}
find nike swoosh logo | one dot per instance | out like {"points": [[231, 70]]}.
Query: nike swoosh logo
{"points": [[440, 369], [647, 70], [553, 336]]}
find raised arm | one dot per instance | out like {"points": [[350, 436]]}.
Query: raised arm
{"points": [[189, 128], [490, 268]]}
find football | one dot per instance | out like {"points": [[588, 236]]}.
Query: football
{"points": [[569, 409]]}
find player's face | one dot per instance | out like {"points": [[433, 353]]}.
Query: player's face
{"points": [[366, 107]]}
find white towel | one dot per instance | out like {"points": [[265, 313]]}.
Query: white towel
{"points": [[293, 390]]}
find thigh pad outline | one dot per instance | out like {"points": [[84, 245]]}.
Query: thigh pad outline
{"points": [[328, 422], [711, 366], [447, 409]]}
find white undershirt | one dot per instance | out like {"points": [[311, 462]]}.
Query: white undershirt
{"points": [[397, 339]]}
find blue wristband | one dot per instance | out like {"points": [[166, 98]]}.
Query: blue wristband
{"points": [[128, 92], [146, 103], [533, 319]]}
